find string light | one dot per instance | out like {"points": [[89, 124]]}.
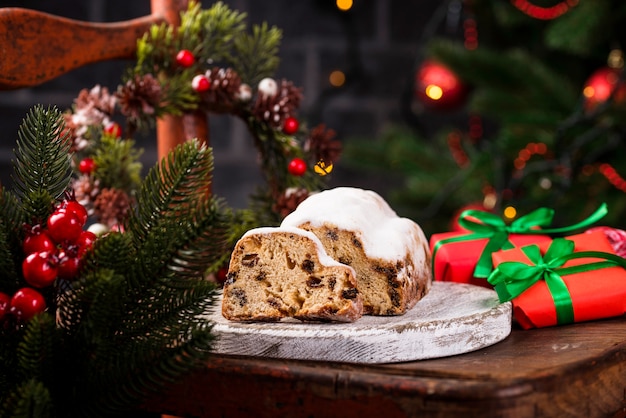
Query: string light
{"points": [[510, 212], [337, 78], [344, 5], [458, 154], [527, 152], [612, 176], [544, 13], [434, 91]]}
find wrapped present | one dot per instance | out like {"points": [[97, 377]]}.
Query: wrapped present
{"points": [[573, 279], [465, 257]]}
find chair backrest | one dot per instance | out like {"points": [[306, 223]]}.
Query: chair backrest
{"points": [[36, 47]]}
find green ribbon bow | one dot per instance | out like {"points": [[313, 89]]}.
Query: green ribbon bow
{"points": [[511, 278], [487, 225]]}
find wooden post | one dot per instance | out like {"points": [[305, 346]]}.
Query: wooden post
{"points": [[174, 130]]}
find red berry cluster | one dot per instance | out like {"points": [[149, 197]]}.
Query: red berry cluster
{"points": [[53, 251], [23, 305]]}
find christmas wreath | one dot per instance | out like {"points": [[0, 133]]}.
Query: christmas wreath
{"points": [[104, 285]]}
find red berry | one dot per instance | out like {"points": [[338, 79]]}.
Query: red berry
{"points": [[200, 83], [5, 300], [291, 125], [85, 242], [64, 226], [114, 129], [297, 167], [40, 269], [26, 303], [87, 165], [77, 209], [68, 267], [37, 240], [185, 58]]}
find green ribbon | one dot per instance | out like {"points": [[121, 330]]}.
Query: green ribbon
{"points": [[487, 225], [512, 278]]}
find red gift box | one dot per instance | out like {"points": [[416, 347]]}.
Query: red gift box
{"points": [[456, 261], [595, 294], [465, 257]]}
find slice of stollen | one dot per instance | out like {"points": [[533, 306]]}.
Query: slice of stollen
{"points": [[285, 272]]}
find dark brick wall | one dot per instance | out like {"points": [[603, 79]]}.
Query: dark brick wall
{"points": [[375, 44]]}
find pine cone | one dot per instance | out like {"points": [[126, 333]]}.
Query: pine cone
{"points": [[321, 143], [275, 109], [97, 98], [139, 96], [222, 95], [112, 206], [289, 201]]}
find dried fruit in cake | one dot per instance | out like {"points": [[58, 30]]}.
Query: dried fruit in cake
{"points": [[276, 273], [358, 228]]}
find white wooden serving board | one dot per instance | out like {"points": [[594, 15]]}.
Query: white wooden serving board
{"points": [[452, 319]]}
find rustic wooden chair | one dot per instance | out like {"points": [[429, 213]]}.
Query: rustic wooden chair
{"points": [[36, 47]]}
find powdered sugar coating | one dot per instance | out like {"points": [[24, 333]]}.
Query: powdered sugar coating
{"points": [[322, 255], [382, 232]]}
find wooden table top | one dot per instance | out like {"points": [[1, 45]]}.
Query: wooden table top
{"points": [[576, 370]]}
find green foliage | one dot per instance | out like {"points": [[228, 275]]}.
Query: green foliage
{"points": [[117, 162], [256, 54], [42, 166], [217, 35], [132, 322], [526, 79]]}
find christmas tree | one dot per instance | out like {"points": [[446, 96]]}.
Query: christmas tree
{"points": [[513, 106]]}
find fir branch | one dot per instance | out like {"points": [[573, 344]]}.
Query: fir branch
{"points": [[117, 163], [256, 54], [38, 349], [589, 19], [210, 31], [11, 221], [42, 169], [32, 399], [171, 190], [156, 50]]}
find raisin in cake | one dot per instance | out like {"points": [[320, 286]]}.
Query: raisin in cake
{"points": [[390, 254], [285, 272]]}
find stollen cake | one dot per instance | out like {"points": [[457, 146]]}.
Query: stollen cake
{"points": [[285, 272], [358, 228]]}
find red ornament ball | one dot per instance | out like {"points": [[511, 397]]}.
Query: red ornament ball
{"points": [[5, 301], [200, 83], [26, 303], [185, 58], [37, 240], [64, 226], [601, 84], [438, 88], [113, 129], [40, 269], [76, 208], [69, 265], [291, 125], [87, 165], [297, 167]]}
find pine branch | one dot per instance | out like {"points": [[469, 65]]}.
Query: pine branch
{"points": [[42, 170], [31, 399], [256, 54], [211, 31], [11, 223], [117, 162]]}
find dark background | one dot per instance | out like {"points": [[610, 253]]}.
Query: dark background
{"points": [[376, 44]]}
